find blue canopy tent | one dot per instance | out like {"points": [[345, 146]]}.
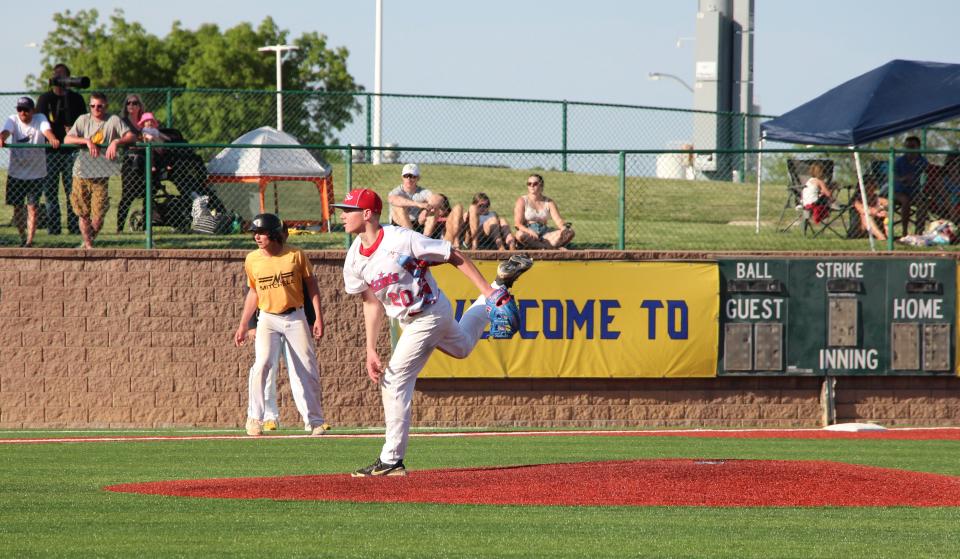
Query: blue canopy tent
{"points": [[901, 95]]}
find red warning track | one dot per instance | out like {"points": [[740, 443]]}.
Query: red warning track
{"points": [[714, 483], [915, 434]]}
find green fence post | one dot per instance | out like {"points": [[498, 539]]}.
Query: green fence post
{"points": [[349, 172], [169, 108], [891, 203], [622, 217], [148, 207], [563, 139], [369, 156], [743, 146]]}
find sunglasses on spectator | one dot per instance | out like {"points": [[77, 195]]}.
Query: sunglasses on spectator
{"points": [[134, 102], [534, 183], [97, 106], [408, 176], [23, 109]]}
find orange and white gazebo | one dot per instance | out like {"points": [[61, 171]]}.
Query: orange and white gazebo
{"points": [[249, 163]]}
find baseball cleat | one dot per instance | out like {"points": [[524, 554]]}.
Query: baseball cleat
{"points": [[509, 270], [254, 427], [271, 425], [320, 429], [378, 468]]}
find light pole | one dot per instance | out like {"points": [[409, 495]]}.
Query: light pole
{"points": [[279, 50], [377, 80], [655, 76]]}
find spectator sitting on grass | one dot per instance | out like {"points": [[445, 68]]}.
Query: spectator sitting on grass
{"points": [[530, 215]]}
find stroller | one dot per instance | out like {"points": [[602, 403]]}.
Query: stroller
{"points": [[193, 204]]}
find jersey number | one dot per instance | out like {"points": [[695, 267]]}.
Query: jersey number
{"points": [[404, 298]]}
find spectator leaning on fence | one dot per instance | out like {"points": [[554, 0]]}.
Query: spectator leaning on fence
{"points": [[91, 172], [408, 199], [907, 171], [62, 107], [530, 216], [28, 167]]}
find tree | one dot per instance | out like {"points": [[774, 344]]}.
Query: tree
{"points": [[125, 56]]}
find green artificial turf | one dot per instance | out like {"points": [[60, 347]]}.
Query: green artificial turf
{"points": [[52, 503]]}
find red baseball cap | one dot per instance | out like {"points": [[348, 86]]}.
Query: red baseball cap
{"points": [[361, 199]]}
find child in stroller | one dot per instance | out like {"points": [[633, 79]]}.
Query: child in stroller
{"points": [[186, 170]]}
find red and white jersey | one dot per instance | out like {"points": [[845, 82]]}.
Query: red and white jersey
{"points": [[396, 269]]}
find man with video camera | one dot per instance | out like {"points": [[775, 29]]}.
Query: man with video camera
{"points": [[62, 106]]}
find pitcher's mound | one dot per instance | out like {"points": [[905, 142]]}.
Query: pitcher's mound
{"points": [[703, 482]]}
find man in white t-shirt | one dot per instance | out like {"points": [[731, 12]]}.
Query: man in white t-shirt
{"points": [[409, 199], [389, 267], [28, 166]]}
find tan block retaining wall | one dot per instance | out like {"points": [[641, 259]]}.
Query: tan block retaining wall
{"points": [[137, 338]]}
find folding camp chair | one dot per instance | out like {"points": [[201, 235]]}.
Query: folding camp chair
{"points": [[799, 172]]}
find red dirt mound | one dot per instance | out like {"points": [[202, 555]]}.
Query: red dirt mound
{"points": [[715, 483]]}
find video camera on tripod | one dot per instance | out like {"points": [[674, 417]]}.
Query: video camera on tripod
{"points": [[79, 82]]}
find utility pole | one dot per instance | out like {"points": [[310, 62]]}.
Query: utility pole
{"points": [[377, 82]]}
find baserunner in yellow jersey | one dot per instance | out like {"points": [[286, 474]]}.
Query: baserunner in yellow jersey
{"points": [[276, 275]]}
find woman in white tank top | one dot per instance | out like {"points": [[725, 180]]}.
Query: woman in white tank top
{"points": [[531, 214]]}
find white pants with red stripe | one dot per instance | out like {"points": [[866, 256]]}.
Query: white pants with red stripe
{"points": [[435, 328], [272, 331]]}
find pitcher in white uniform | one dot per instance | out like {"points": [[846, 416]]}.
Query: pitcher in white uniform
{"points": [[388, 266]]}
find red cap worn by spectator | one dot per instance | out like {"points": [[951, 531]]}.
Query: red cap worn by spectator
{"points": [[361, 199]]}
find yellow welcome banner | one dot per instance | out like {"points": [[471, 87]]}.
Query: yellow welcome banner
{"points": [[596, 319]]}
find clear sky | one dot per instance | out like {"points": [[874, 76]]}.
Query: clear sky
{"points": [[600, 50]]}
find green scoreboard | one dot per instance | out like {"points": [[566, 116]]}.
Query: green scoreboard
{"points": [[865, 316]]}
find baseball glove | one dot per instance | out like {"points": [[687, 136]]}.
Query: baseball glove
{"points": [[504, 314]]}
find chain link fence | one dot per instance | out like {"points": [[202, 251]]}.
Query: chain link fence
{"points": [[663, 193], [345, 118], [203, 196]]}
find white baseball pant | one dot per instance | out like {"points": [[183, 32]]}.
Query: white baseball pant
{"points": [[272, 331], [270, 408], [434, 328]]}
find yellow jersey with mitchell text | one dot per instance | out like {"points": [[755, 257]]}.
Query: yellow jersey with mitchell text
{"points": [[278, 280]]}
